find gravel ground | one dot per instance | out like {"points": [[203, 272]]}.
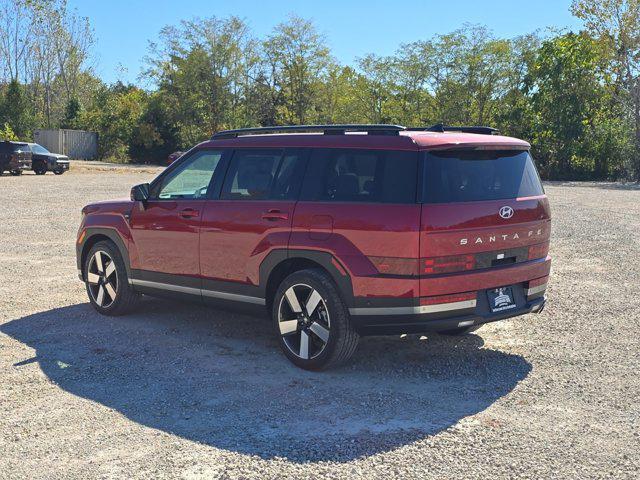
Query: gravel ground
{"points": [[180, 391]]}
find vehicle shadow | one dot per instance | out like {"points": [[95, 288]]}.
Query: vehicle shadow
{"points": [[220, 379]]}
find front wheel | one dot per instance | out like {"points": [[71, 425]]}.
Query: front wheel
{"points": [[106, 280], [40, 168], [312, 322], [16, 173], [58, 171]]}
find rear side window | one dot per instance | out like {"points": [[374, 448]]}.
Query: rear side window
{"points": [[379, 176], [477, 175], [6, 147], [263, 174], [251, 175]]}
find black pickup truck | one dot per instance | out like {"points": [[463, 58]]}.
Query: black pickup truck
{"points": [[14, 157], [44, 161]]}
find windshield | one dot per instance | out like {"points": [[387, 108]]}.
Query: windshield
{"points": [[39, 149], [476, 175]]}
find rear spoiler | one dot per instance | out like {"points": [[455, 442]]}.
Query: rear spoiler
{"points": [[441, 128]]}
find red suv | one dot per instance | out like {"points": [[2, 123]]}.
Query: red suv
{"points": [[339, 231]]}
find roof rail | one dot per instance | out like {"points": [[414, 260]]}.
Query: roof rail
{"points": [[375, 129], [439, 127]]}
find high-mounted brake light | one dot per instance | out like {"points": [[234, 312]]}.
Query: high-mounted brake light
{"points": [[453, 263]]}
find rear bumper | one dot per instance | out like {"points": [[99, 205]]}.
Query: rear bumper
{"points": [[453, 310], [434, 322]]}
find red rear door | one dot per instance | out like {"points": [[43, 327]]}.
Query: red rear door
{"points": [[252, 217], [483, 210], [360, 206]]}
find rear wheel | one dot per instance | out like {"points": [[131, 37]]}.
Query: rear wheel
{"points": [[312, 322], [106, 280], [456, 332]]}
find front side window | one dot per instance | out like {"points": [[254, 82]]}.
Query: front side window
{"points": [[378, 176], [191, 180]]}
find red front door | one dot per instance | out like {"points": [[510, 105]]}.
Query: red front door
{"points": [[166, 228], [166, 236]]}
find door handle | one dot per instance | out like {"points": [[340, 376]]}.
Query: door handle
{"points": [[189, 213], [274, 214]]}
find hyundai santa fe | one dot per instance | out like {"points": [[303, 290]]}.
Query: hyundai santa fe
{"points": [[339, 231]]}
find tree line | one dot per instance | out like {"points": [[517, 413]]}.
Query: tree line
{"points": [[574, 95]]}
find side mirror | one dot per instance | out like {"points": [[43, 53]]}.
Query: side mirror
{"points": [[140, 193]]}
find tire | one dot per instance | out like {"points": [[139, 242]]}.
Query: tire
{"points": [[322, 339], [58, 171], [457, 332], [16, 173], [40, 168], [103, 281]]}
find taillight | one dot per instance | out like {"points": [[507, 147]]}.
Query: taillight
{"points": [[538, 282], [540, 250], [395, 266], [453, 298], [453, 263]]}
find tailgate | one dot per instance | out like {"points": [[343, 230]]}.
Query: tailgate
{"points": [[483, 212]]}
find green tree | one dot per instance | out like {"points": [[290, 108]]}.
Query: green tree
{"points": [[116, 115], [16, 110], [375, 88], [71, 114], [616, 24], [203, 68], [7, 133], [571, 107], [298, 59]]}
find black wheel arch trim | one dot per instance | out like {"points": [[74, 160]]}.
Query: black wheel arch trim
{"points": [[111, 234], [325, 259]]}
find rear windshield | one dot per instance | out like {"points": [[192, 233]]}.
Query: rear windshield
{"points": [[476, 175]]}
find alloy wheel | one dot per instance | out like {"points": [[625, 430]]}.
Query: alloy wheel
{"points": [[303, 320], [102, 279]]}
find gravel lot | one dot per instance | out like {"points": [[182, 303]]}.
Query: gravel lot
{"points": [[180, 391]]}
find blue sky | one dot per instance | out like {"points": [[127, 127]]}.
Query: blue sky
{"points": [[353, 28]]}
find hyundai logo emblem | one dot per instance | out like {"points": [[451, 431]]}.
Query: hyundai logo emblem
{"points": [[506, 212]]}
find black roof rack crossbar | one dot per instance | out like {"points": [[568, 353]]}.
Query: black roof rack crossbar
{"points": [[441, 128], [375, 129]]}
